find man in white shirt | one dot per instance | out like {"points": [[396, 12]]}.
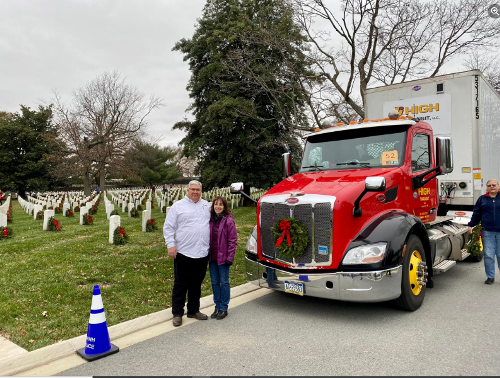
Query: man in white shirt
{"points": [[187, 236]]}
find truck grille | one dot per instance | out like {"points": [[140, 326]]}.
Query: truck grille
{"points": [[316, 218]]}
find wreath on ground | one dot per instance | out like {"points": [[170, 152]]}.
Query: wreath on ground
{"points": [[114, 212], [134, 213], [69, 213], [164, 209], [87, 220], [120, 237], [6, 233], [474, 242], [54, 224], [290, 237], [39, 215], [93, 210], [77, 209], [139, 207], [9, 216], [151, 225], [58, 210]]}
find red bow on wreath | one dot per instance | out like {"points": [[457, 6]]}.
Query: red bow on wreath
{"points": [[122, 232], [285, 227], [151, 221], [57, 224], [5, 232]]}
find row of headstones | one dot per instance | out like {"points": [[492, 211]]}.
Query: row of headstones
{"points": [[235, 199], [127, 200], [35, 208]]}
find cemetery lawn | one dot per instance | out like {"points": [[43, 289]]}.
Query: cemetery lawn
{"points": [[48, 276]]}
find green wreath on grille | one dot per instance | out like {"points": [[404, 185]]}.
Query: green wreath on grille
{"points": [[473, 245], [297, 233]]}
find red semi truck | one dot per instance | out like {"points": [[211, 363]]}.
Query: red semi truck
{"points": [[367, 195]]}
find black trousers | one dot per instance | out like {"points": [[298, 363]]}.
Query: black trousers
{"points": [[189, 275]]}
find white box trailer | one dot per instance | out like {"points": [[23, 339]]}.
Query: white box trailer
{"points": [[462, 105]]}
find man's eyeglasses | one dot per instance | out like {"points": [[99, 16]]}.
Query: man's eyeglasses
{"points": [[492, 185]]}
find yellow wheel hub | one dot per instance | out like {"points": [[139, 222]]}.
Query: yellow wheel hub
{"points": [[415, 259]]}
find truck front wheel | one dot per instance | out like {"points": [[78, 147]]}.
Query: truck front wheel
{"points": [[412, 290]]}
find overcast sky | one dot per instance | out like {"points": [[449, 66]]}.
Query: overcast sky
{"points": [[64, 44]]}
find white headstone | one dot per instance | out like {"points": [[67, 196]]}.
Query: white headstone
{"points": [[3, 220], [148, 205], [130, 207], [166, 211], [46, 216], [36, 209], [114, 222], [146, 216], [109, 208], [83, 212], [161, 206], [137, 203], [65, 208], [124, 206]]}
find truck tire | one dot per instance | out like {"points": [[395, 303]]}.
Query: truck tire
{"points": [[412, 293]]}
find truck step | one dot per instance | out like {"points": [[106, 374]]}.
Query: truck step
{"points": [[443, 266], [465, 254]]}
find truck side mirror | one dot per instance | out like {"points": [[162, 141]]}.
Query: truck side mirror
{"points": [[287, 165], [372, 184], [444, 154], [236, 188], [375, 184]]}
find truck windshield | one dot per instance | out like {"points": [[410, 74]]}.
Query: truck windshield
{"points": [[355, 149]]}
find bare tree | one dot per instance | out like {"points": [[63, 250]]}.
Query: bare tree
{"points": [[385, 42], [101, 121], [488, 65]]}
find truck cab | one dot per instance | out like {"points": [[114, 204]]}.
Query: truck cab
{"points": [[367, 195]]}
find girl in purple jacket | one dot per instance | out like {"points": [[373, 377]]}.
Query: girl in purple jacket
{"points": [[223, 242]]}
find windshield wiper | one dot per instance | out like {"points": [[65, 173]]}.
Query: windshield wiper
{"points": [[313, 166], [355, 162]]}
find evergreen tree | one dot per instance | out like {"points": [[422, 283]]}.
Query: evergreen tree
{"points": [[26, 141], [240, 127], [151, 164]]}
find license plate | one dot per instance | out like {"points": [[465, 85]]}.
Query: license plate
{"points": [[294, 287]]}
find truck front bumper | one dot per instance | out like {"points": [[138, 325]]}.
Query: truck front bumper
{"points": [[369, 286]]}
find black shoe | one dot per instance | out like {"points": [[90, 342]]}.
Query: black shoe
{"points": [[489, 281], [221, 315], [214, 315]]}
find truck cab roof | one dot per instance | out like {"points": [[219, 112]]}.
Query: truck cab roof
{"points": [[363, 125]]}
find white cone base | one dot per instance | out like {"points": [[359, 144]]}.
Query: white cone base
{"points": [[93, 357]]}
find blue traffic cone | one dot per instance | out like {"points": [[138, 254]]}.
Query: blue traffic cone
{"points": [[98, 344]]}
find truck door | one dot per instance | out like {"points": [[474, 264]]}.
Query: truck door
{"points": [[423, 200]]}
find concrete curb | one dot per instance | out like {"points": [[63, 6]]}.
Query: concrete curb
{"points": [[18, 364]]}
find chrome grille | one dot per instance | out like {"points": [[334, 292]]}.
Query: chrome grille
{"points": [[322, 230], [316, 218], [303, 214], [282, 211], [267, 216]]}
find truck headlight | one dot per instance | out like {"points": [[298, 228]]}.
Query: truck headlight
{"points": [[365, 254], [252, 242]]}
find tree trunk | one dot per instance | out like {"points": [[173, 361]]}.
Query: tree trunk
{"points": [[86, 184], [102, 179]]}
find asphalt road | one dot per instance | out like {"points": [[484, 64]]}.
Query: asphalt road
{"points": [[455, 332]]}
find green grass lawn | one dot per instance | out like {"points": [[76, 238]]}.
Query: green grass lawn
{"points": [[47, 278]]}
